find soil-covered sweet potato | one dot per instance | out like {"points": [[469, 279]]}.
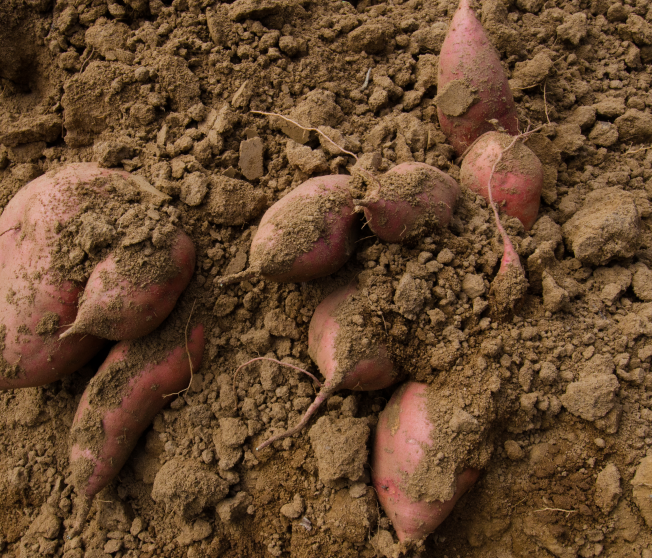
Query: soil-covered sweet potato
{"points": [[348, 355], [77, 225], [411, 488], [36, 301], [516, 181], [409, 201], [307, 234], [137, 379], [118, 306]]}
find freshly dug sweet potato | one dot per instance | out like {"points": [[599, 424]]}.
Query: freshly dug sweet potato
{"points": [[348, 356], [472, 86], [137, 379], [52, 234], [35, 301], [309, 233], [119, 307], [405, 470], [517, 179], [409, 201], [507, 174]]}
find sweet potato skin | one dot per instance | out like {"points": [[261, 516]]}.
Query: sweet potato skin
{"points": [[398, 220], [469, 61], [328, 254], [517, 181], [29, 290], [146, 393], [368, 374], [402, 432], [117, 309]]}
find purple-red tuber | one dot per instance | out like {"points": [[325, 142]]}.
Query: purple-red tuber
{"points": [[408, 201]]}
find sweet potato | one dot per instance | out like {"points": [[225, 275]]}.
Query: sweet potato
{"points": [[309, 233], [403, 467], [408, 201], [517, 179], [52, 233], [119, 307], [137, 379], [35, 301], [348, 357], [497, 159], [473, 92]]}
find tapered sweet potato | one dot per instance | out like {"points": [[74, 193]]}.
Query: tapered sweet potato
{"points": [[517, 179], [510, 176], [472, 88], [414, 492], [309, 233], [347, 356], [137, 379], [118, 307]]}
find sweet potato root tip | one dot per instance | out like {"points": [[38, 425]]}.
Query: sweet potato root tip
{"points": [[322, 396]]}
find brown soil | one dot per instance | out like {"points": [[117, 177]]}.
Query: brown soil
{"points": [[561, 389]]}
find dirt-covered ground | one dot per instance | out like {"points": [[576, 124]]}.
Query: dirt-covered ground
{"points": [[557, 399]]}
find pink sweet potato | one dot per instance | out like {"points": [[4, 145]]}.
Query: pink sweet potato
{"points": [[137, 379], [44, 230], [402, 469], [345, 359], [309, 233], [504, 171], [409, 201], [116, 307], [517, 179], [35, 302], [472, 85], [510, 284]]}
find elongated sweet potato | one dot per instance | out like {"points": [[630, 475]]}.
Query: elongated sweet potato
{"points": [[134, 383], [472, 85]]}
